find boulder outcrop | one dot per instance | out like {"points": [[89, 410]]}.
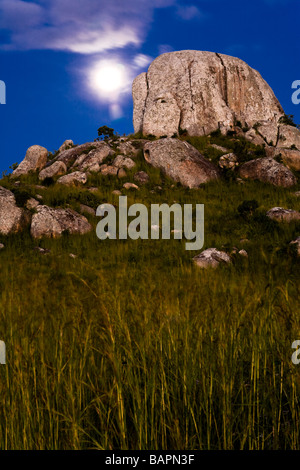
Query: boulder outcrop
{"points": [[35, 159], [200, 92], [48, 222]]}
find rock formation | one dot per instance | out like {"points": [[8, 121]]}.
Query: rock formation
{"points": [[200, 92], [35, 159]]}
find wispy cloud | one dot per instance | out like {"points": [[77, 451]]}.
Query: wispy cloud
{"points": [[81, 26], [189, 12]]}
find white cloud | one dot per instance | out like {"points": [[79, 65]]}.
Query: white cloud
{"points": [[81, 26]]}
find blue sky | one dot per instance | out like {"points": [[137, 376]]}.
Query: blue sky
{"points": [[68, 65]]}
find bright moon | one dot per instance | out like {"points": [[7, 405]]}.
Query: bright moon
{"points": [[108, 78]]}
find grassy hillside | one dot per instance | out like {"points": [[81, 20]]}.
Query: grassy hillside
{"points": [[131, 346]]}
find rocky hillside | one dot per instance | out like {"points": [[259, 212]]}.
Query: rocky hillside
{"points": [[199, 117]]}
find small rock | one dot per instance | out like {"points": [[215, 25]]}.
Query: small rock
{"points": [[87, 209], [2, 246], [141, 177], [211, 258], [218, 147], [130, 186], [243, 253], [122, 173], [108, 170], [39, 197], [32, 203], [93, 190], [123, 162], [297, 194], [117, 192], [72, 255], [75, 178], [283, 215], [228, 161], [66, 145], [41, 250], [297, 243]]}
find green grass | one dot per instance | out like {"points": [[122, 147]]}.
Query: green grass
{"points": [[131, 346]]}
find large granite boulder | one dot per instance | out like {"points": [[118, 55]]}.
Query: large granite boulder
{"points": [[268, 170], [200, 92], [35, 159], [48, 222], [180, 161]]}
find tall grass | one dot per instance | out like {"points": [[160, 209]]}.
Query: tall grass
{"points": [[130, 346]]}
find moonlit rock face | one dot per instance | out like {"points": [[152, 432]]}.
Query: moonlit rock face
{"points": [[200, 92]]}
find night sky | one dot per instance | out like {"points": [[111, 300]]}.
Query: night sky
{"points": [[68, 65]]}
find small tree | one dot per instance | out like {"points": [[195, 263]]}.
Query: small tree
{"points": [[106, 133]]}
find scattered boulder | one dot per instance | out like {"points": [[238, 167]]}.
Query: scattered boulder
{"points": [[109, 170], [32, 203], [12, 218], [2, 246], [141, 177], [288, 136], [180, 161], [228, 161], [73, 179], [93, 160], [116, 192], [56, 169], [297, 243], [253, 137], [283, 215], [87, 209], [211, 258], [70, 156], [35, 159], [42, 251], [48, 222], [291, 158], [126, 148], [200, 92], [268, 170], [269, 132], [220, 148], [243, 253], [122, 173], [123, 162], [130, 186], [66, 145]]}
